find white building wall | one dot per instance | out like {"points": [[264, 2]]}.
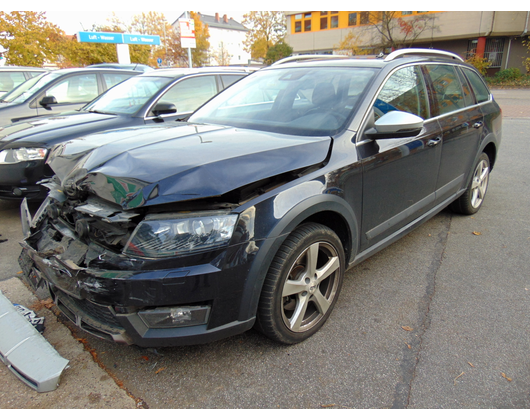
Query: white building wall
{"points": [[232, 41]]}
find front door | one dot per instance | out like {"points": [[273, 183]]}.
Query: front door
{"points": [[399, 174]]}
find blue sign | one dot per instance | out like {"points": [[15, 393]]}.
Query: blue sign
{"points": [[141, 39], [159, 61], [115, 38], [100, 37]]}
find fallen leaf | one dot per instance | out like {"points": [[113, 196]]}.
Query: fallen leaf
{"points": [[145, 357], [470, 364], [82, 340], [505, 377], [454, 381], [477, 233], [159, 370], [327, 405], [408, 328]]}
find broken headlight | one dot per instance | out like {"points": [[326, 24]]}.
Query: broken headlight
{"points": [[170, 237], [22, 155]]}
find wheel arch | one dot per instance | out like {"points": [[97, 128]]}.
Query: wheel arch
{"points": [[329, 210]]}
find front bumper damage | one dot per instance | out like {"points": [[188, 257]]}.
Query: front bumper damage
{"points": [[106, 293]]}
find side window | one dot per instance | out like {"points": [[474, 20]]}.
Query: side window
{"points": [[114, 79], [448, 94], [75, 89], [479, 88], [191, 93], [403, 91], [10, 80], [229, 79], [468, 95]]}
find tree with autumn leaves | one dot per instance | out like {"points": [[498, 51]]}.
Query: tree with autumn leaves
{"points": [[33, 41], [266, 30], [29, 38]]}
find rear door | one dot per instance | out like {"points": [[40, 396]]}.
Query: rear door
{"points": [[399, 174], [461, 123]]}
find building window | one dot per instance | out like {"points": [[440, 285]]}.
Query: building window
{"points": [[352, 19], [334, 21], [299, 16], [365, 18], [323, 23], [405, 13], [298, 26], [493, 50], [307, 15], [307, 25], [323, 13]]}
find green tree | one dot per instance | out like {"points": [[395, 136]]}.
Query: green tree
{"points": [[29, 38], [277, 52], [266, 29]]}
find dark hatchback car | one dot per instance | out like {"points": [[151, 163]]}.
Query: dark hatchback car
{"points": [[58, 91], [12, 76], [149, 98], [249, 213]]}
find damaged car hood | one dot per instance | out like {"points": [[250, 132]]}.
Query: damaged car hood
{"points": [[143, 166]]}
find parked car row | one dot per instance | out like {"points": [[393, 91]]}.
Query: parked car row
{"points": [[148, 98], [248, 213]]}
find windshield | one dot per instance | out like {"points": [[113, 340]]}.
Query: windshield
{"points": [[309, 101], [129, 96], [29, 87]]}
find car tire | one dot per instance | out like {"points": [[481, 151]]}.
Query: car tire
{"points": [[302, 285], [471, 201]]}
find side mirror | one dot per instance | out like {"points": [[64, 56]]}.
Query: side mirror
{"points": [[47, 101], [164, 108], [395, 124]]}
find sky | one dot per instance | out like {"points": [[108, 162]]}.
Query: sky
{"points": [[73, 22]]}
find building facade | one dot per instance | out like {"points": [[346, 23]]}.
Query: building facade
{"points": [[497, 36], [226, 40]]}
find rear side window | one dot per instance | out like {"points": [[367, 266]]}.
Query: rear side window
{"points": [[479, 88], [114, 79], [448, 93], [229, 79]]}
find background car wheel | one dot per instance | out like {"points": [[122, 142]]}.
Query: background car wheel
{"points": [[302, 284], [471, 201]]}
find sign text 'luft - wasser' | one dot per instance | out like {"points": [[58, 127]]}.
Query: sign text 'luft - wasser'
{"points": [[116, 38]]}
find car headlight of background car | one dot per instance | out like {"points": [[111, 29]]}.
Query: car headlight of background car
{"points": [[170, 237], [22, 155]]}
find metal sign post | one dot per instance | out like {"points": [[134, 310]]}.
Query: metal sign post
{"points": [[187, 36]]}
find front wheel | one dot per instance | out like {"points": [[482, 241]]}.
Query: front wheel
{"points": [[471, 201], [302, 284]]}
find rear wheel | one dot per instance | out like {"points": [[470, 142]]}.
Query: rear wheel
{"points": [[302, 284], [471, 201]]}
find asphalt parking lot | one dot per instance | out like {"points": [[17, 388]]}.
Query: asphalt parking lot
{"points": [[440, 319]]}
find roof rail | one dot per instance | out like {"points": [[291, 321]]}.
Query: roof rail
{"points": [[421, 51], [305, 57]]}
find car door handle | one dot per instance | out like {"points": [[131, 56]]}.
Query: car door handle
{"points": [[434, 142], [478, 124]]}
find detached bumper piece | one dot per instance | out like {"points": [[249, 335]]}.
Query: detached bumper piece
{"points": [[26, 352]]}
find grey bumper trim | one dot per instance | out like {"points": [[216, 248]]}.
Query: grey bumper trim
{"points": [[26, 352]]}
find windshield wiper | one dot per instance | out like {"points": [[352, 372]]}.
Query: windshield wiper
{"points": [[95, 111]]}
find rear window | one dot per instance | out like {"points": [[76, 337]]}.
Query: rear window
{"points": [[477, 84]]}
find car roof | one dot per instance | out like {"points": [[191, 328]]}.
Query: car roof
{"points": [[95, 69], [22, 68], [175, 72]]}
